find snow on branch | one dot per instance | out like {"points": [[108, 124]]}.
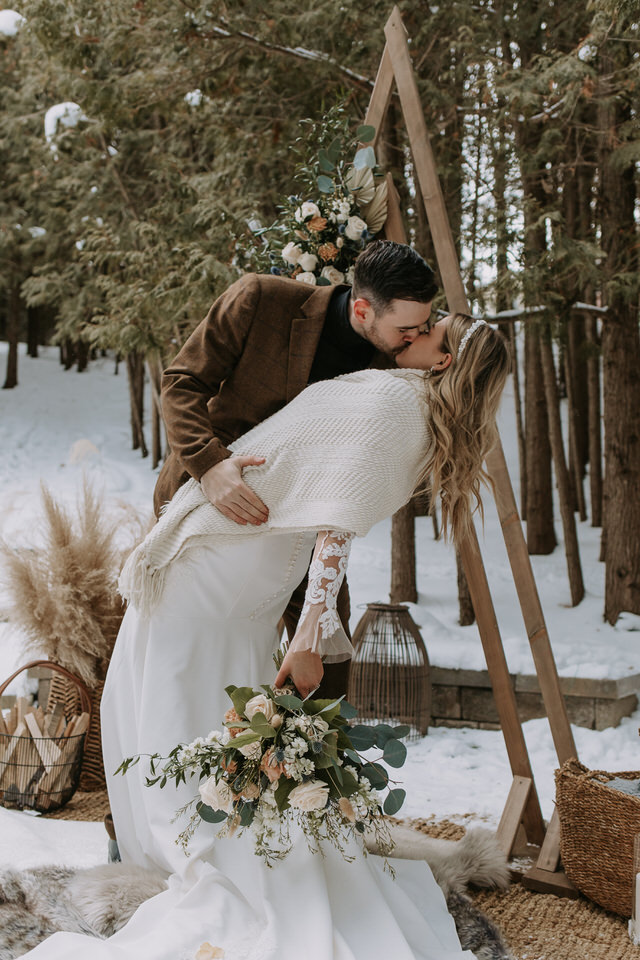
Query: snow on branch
{"points": [[301, 53]]}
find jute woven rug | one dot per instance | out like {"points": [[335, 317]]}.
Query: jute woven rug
{"points": [[537, 926], [543, 927]]}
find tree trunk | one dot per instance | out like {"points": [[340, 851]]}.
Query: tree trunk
{"points": [[33, 330], [135, 371], [574, 439], [155, 374], [572, 552], [541, 537], [522, 459], [621, 358], [13, 336], [595, 442], [403, 556], [82, 352]]}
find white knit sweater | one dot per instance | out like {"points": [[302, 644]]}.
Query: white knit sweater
{"points": [[343, 455]]}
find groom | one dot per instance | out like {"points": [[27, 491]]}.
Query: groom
{"points": [[261, 343]]}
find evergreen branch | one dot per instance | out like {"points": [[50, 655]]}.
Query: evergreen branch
{"points": [[121, 185], [301, 53]]}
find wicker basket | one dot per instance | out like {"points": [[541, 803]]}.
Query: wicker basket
{"points": [[41, 773], [597, 827]]}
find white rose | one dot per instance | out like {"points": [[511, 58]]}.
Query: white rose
{"points": [[218, 796], [308, 261], [332, 275], [309, 796], [306, 277], [355, 228], [260, 704], [291, 253], [251, 750], [349, 275], [306, 211]]}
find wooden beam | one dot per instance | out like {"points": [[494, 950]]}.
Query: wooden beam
{"points": [[427, 176], [503, 692], [531, 607], [549, 857], [513, 813], [542, 881], [380, 96], [424, 164]]}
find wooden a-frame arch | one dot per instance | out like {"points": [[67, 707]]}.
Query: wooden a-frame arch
{"points": [[522, 805]]}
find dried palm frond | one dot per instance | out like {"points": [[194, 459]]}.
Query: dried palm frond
{"points": [[361, 183], [375, 213], [63, 591]]}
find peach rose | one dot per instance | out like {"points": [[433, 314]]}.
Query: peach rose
{"points": [[316, 224], [327, 251], [229, 717], [271, 767]]}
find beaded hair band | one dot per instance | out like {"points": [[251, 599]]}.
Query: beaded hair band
{"points": [[472, 329]]}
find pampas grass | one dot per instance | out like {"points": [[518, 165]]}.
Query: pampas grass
{"points": [[63, 592]]}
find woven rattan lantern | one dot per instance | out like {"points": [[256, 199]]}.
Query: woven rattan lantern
{"points": [[390, 678]]}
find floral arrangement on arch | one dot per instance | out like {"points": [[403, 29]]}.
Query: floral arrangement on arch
{"points": [[281, 761], [339, 207]]}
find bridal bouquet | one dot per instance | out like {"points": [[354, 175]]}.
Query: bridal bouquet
{"points": [[339, 206], [280, 761]]}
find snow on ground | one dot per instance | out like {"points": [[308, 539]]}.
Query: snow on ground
{"points": [[58, 426]]}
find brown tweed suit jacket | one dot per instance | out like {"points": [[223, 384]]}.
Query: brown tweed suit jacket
{"points": [[249, 357]]}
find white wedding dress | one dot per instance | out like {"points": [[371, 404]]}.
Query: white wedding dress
{"points": [[216, 625]]}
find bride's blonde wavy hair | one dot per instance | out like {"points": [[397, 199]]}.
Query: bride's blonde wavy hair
{"points": [[463, 401]]}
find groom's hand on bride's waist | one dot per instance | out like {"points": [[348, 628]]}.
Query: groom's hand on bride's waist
{"points": [[225, 489]]}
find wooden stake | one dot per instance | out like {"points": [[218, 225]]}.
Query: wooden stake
{"points": [[512, 814]]}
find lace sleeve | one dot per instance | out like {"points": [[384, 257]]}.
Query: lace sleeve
{"points": [[319, 628]]}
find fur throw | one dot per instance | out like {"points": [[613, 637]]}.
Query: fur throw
{"points": [[99, 901]]}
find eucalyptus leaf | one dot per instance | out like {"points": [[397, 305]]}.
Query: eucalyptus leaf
{"points": [[247, 812], [395, 753], [365, 157], [334, 150], [365, 133], [393, 801], [352, 756], [383, 732], [323, 282], [376, 775], [347, 710], [325, 162], [362, 737], [244, 739], [210, 815], [240, 696], [402, 730], [285, 786], [289, 701], [325, 184], [261, 725]]}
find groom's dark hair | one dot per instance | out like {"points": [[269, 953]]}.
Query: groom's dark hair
{"points": [[387, 271]]}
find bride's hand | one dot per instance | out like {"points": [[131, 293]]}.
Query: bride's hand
{"points": [[305, 669]]}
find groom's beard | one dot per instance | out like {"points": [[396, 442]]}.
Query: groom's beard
{"points": [[376, 340]]}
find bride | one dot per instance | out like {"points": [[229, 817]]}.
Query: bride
{"points": [[205, 597]]}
